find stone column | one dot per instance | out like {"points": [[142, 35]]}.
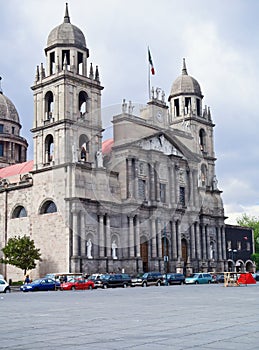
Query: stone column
{"points": [[174, 228], [191, 187], [203, 234], [179, 239], [198, 241], [137, 237], [170, 187], [75, 232], [101, 236], [153, 223], [130, 189], [208, 241], [83, 235], [223, 243], [219, 241], [152, 182], [108, 236], [131, 237], [157, 184], [193, 251], [159, 238]]}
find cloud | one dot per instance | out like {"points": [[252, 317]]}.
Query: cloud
{"points": [[220, 41]]}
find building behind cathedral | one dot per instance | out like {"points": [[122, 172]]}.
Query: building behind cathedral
{"points": [[148, 199]]}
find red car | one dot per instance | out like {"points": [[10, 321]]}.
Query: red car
{"points": [[77, 283]]}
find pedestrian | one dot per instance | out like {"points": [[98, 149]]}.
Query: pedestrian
{"points": [[27, 279]]}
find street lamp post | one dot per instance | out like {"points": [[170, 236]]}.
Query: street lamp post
{"points": [[232, 255]]}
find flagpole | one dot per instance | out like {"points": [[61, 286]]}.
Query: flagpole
{"points": [[148, 67]]}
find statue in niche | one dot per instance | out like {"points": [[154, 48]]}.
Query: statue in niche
{"points": [[214, 183], [114, 249], [89, 246]]}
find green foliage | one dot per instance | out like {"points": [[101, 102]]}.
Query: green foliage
{"points": [[255, 258], [21, 252], [252, 222]]}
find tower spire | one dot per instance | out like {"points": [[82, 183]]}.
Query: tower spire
{"points": [[184, 70], [66, 18]]}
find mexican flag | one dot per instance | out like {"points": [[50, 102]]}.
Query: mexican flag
{"points": [[151, 63]]}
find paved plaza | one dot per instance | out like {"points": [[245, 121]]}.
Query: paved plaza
{"points": [[175, 317]]}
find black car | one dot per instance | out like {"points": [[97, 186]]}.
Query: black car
{"points": [[113, 281], [174, 278], [148, 279]]}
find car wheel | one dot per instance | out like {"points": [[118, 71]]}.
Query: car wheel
{"points": [[144, 284], [158, 284], [125, 285], [73, 288], [90, 287], [7, 289]]}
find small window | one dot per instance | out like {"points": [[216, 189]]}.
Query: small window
{"points": [[13, 130], [182, 196], [19, 212], [248, 247], [48, 208], [198, 106], [176, 107], [1, 149], [238, 245], [142, 189], [1, 128]]}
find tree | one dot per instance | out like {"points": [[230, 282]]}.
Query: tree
{"points": [[252, 222], [21, 252]]}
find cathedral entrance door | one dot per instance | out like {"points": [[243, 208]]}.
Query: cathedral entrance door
{"points": [[144, 255]]}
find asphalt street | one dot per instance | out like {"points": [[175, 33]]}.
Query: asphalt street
{"points": [[205, 317]]}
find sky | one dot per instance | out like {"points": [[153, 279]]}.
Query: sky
{"points": [[219, 40]]}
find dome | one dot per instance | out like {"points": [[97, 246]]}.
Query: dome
{"points": [[8, 110], [66, 33], [185, 84]]}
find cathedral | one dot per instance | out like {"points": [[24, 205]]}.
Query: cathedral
{"points": [[146, 199]]}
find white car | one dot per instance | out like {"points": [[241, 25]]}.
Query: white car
{"points": [[4, 286]]}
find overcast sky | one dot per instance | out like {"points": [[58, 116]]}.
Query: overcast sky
{"points": [[219, 39]]}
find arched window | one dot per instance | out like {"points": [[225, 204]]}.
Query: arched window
{"points": [[49, 149], [83, 103], [48, 207], [84, 148], [49, 105], [19, 212], [202, 139]]}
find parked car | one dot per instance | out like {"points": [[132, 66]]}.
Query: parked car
{"points": [[40, 284], [219, 278], [148, 279], [4, 286], [113, 281], [173, 278], [77, 284], [199, 278], [256, 276]]}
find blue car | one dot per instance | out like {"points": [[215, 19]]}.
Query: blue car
{"points": [[199, 278], [40, 284]]}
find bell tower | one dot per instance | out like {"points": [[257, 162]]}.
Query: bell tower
{"points": [[67, 123], [188, 115]]}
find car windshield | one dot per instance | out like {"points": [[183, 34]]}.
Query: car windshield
{"points": [[36, 282], [194, 275]]}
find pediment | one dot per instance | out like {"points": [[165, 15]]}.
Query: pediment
{"points": [[161, 144]]}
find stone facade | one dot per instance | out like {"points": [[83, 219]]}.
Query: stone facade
{"points": [[151, 202]]}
